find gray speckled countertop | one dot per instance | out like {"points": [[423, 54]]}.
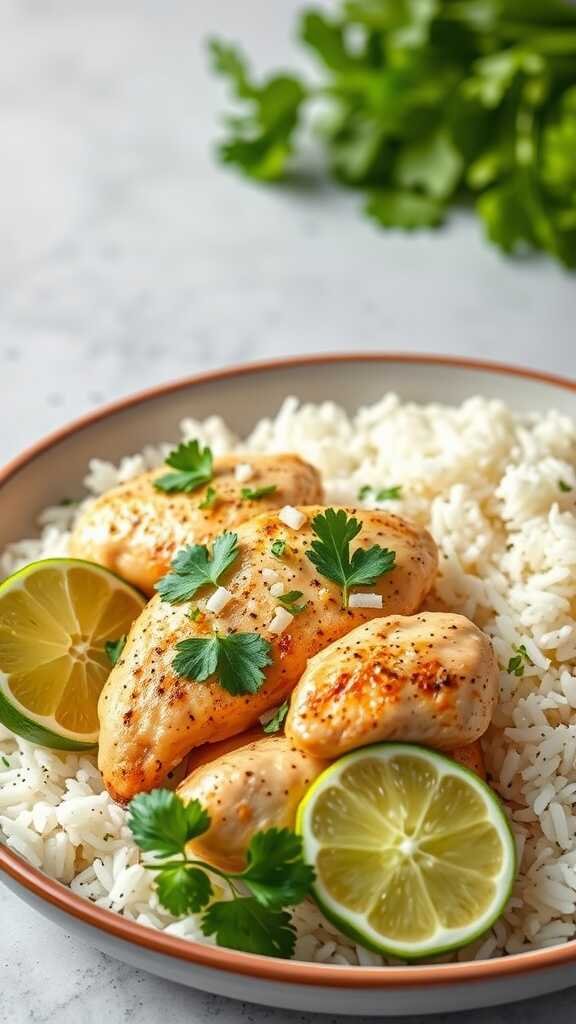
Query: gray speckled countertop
{"points": [[128, 258]]}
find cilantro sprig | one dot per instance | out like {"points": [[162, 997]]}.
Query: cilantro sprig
{"points": [[330, 552], [275, 876], [428, 106], [194, 567], [237, 661], [194, 467]]}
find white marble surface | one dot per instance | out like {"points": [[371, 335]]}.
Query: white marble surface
{"points": [[128, 257]]}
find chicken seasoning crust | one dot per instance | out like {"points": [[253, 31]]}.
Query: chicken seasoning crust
{"points": [[136, 529], [430, 678], [150, 717]]}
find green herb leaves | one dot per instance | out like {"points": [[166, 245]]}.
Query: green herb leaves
{"points": [[114, 648], [330, 552], [275, 876], [209, 499], [290, 600], [279, 548], [257, 493], [276, 722], [162, 824], [193, 568], [275, 872], [260, 139], [517, 665], [238, 661], [245, 924], [381, 494], [183, 890], [193, 465], [428, 104]]}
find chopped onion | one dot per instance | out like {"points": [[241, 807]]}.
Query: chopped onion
{"points": [[277, 589], [270, 576], [244, 472], [218, 600], [291, 517], [365, 601], [281, 621]]}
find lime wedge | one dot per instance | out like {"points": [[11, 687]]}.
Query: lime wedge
{"points": [[56, 617], [413, 853]]}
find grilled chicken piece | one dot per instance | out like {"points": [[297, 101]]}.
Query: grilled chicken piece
{"points": [[251, 788], [150, 717], [136, 530], [430, 678], [470, 757], [253, 782]]}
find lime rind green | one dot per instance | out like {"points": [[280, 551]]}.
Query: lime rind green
{"points": [[354, 923]]}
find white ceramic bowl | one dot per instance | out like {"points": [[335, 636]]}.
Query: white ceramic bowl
{"points": [[57, 465]]}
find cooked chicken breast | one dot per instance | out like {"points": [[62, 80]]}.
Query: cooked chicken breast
{"points": [[150, 717], [249, 789], [136, 530], [253, 782], [470, 757], [429, 678]]}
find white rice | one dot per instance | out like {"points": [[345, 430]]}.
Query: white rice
{"points": [[486, 482]]}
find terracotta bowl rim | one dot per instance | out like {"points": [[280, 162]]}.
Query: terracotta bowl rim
{"points": [[218, 958]]}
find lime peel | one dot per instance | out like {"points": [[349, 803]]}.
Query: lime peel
{"points": [[390, 893]]}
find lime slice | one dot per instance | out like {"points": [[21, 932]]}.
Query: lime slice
{"points": [[56, 617], [413, 853]]}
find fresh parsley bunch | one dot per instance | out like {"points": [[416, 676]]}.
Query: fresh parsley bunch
{"points": [[275, 877], [430, 104]]}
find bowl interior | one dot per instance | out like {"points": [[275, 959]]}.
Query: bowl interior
{"points": [[242, 397]]}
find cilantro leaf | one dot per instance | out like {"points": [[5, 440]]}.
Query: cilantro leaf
{"points": [[210, 499], [260, 140], [275, 723], [246, 924], [194, 467], [330, 552], [432, 164], [276, 873], [389, 493], [290, 600], [279, 548], [517, 664], [193, 568], [183, 890], [397, 208], [564, 486], [162, 824], [114, 648], [383, 494], [256, 493], [238, 661]]}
